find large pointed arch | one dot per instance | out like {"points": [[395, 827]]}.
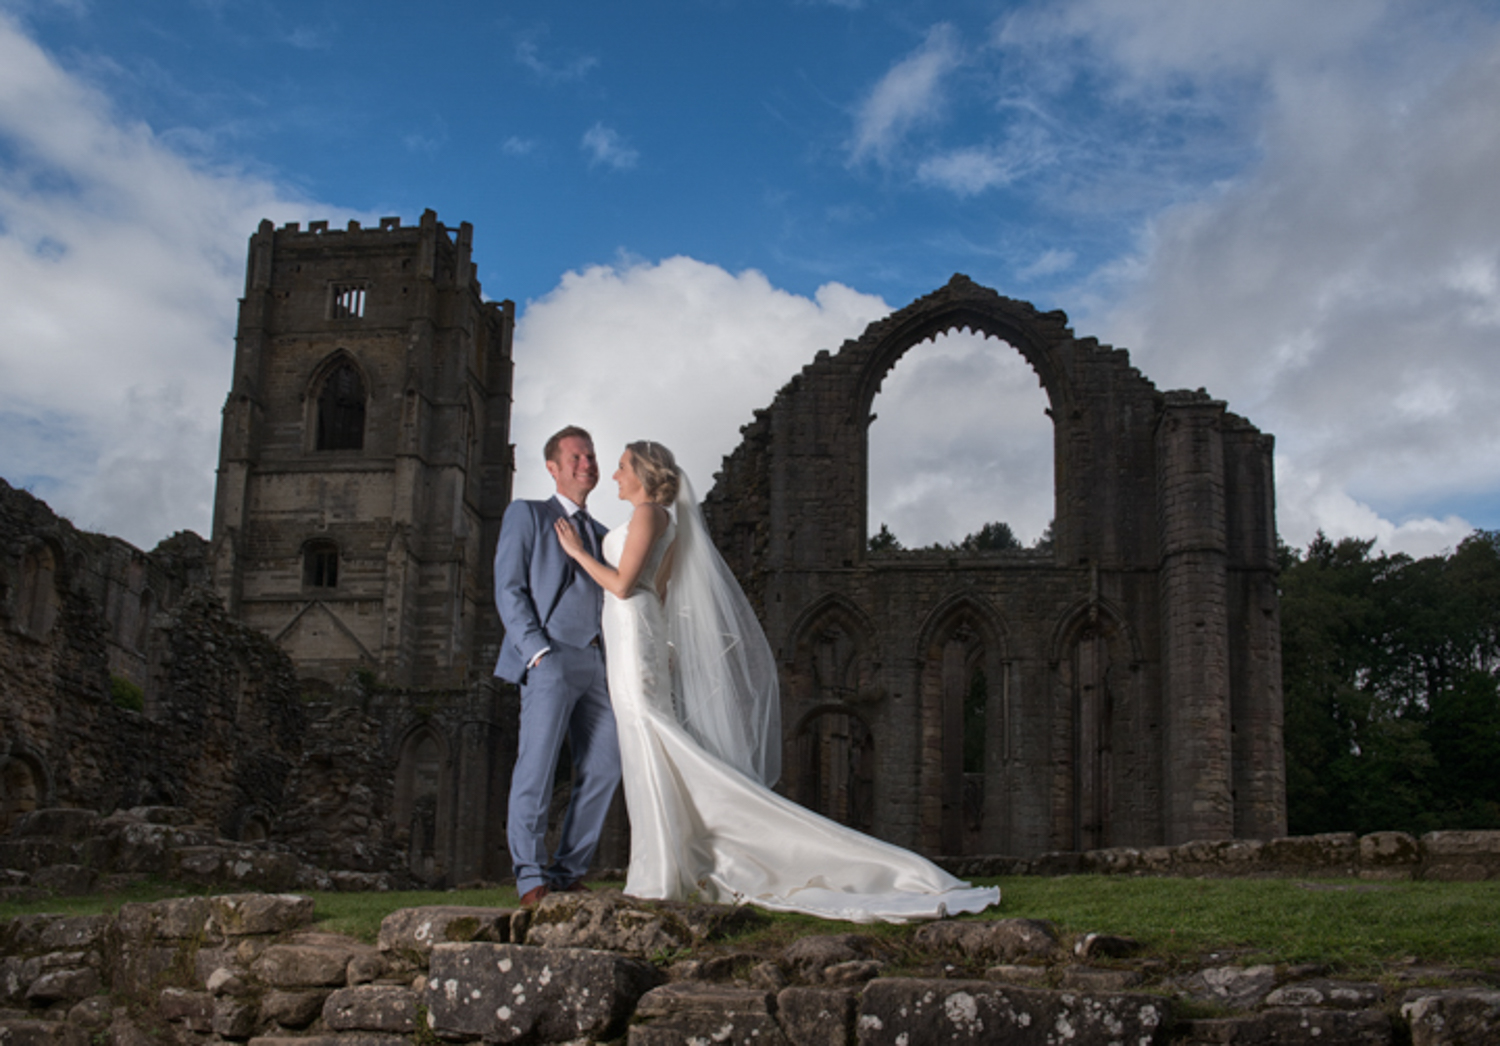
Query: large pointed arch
{"points": [[1098, 760], [964, 693], [337, 395]]}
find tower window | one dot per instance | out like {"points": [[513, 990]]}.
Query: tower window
{"points": [[320, 564], [341, 410], [347, 301]]}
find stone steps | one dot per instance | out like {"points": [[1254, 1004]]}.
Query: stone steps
{"points": [[250, 969]]}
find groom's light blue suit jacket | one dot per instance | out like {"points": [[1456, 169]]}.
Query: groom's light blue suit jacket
{"points": [[541, 594]]}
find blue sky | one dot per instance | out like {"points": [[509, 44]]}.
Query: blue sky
{"points": [[1293, 205]]}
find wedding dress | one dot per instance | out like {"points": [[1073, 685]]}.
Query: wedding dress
{"points": [[702, 826]]}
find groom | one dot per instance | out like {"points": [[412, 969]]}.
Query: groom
{"points": [[552, 649]]}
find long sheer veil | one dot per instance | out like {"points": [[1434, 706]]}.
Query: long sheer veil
{"points": [[724, 674]]}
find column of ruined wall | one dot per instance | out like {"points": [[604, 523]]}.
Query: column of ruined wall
{"points": [[1195, 622], [1254, 620]]}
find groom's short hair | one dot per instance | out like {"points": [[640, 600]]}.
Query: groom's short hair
{"points": [[551, 450]]}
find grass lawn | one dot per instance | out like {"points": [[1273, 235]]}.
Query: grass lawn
{"points": [[1345, 923]]}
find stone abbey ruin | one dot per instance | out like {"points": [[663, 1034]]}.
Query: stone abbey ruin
{"points": [[315, 678]]}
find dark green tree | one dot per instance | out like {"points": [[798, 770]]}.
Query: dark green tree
{"points": [[1389, 677], [884, 541], [992, 537]]}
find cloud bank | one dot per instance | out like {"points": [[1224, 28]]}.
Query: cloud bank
{"points": [[121, 263]]}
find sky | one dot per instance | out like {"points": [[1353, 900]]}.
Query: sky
{"points": [[1294, 206]]}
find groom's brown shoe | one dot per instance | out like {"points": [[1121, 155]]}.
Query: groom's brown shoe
{"points": [[577, 886], [532, 897]]}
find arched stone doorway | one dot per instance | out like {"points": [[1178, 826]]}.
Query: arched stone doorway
{"points": [[965, 693], [420, 811]]}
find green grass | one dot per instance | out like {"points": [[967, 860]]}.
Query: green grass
{"points": [[1345, 923]]}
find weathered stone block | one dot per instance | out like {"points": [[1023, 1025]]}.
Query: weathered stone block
{"points": [[1332, 853], [42, 1033], [1454, 1018], [58, 823], [817, 1016], [16, 975], [1291, 1027], [304, 965], [371, 1007], [175, 919], [146, 968], [193, 1009], [1219, 856], [1460, 856], [235, 1018], [292, 1009], [819, 951], [678, 1013], [239, 915], [1120, 860], [341, 1039], [226, 980], [1003, 940], [1340, 995], [610, 921], [508, 992], [1097, 980], [901, 1011], [65, 880], [1388, 855], [1238, 987], [92, 1013], [416, 930], [146, 847], [67, 985], [31, 934]]}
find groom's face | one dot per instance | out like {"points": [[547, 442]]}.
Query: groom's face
{"points": [[575, 469]]}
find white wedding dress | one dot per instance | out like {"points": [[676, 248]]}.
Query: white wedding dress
{"points": [[701, 827]]}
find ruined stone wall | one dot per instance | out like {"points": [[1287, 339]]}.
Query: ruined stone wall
{"points": [[359, 777], [1131, 673], [219, 720]]}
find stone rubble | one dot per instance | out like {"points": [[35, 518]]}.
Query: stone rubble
{"points": [[250, 970]]}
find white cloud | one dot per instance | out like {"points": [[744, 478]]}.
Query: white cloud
{"points": [[121, 262], [529, 54], [1049, 262], [967, 172], [677, 351], [1341, 290], [961, 439], [911, 92], [604, 145]]}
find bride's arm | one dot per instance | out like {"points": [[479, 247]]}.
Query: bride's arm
{"points": [[646, 523]]}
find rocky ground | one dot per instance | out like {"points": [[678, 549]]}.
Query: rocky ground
{"points": [[600, 967]]}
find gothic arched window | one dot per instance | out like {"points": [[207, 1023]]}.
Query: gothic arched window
{"points": [[320, 564], [341, 410]]}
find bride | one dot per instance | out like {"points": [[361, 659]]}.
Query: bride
{"points": [[693, 684]]}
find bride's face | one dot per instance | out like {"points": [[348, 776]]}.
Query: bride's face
{"points": [[630, 484]]}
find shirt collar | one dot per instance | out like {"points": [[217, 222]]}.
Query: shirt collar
{"points": [[569, 508]]}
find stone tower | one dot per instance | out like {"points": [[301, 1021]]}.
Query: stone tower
{"points": [[365, 461]]}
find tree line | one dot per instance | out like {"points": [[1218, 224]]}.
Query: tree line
{"points": [[1389, 675]]}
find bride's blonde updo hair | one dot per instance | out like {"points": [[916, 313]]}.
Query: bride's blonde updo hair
{"points": [[656, 468]]}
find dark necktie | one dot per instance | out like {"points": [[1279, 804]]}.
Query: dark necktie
{"points": [[586, 531]]}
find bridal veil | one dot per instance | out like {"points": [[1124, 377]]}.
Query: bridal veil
{"points": [[723, 672]]}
